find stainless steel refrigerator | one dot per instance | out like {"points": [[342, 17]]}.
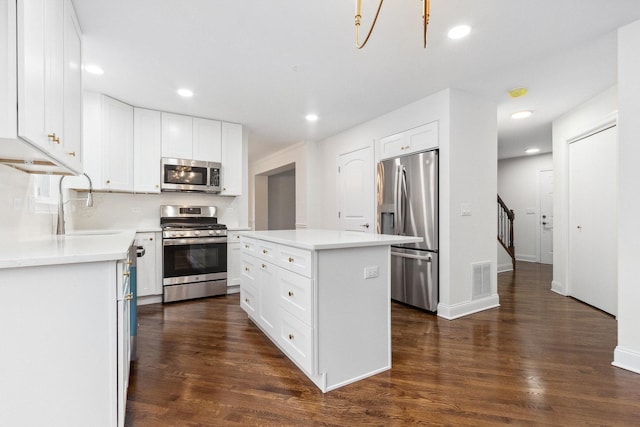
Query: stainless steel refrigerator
{"points": [[407, 202]]}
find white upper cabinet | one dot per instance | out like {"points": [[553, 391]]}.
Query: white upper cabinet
{"points": [[8, 92], [147, 141], [49, 79], [177, 136], [232, 159], [185, 137], [411, 141], [206, 140], [117, 145]]}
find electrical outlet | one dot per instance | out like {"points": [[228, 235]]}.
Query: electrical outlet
{"points": [[371, 272]]}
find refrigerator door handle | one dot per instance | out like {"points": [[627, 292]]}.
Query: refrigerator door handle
{"points": [[401, 196], [411, 256]]}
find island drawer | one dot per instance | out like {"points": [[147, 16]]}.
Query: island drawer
{"points": [[248, 300], [248, 245], [295, 338], [294, 259], [250, 267], [295, 295], [266, 251]]}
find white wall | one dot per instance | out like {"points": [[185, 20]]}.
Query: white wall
{"points": [[21, 214], [582, 119], [467, 132], [518, 185], [627, 353]]}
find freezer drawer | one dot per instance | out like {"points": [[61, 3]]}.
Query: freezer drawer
{"points": [[414, 278]]}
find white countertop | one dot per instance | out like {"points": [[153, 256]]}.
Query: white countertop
{"points": [[86, 246], [315, 239]]}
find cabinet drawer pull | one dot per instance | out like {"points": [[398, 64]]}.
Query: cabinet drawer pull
{"points": [[246, 269], [246, 300], [290, 336], [290, 259], [72, 153], [125, 274], [128, 297], [290, 293], [54, 138], [246, 246], [264, 251], [264, 265], [237, 236]]}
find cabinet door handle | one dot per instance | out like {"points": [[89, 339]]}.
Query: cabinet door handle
{"points": [[264, 265], [246, 246], [108, 181], [128, 297], [290, 336], [290, 259], [72, 153], [246, 300], [54, 138], [125, 274], [264, 251], [290, 293], [246, 269]]}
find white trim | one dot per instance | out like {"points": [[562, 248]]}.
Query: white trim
{"points": [[608, 121], [456, 311], [526, 258], [502, 268], [558, 288], [626, 359], [539, 214], [300, 225]]}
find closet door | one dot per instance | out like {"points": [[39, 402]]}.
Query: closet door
{"points": [[593, 220]]}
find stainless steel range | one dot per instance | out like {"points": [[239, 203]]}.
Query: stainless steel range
{"points": [[194, 255]]}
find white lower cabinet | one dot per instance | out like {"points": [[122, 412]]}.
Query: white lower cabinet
{"points": [[234, 264], [70, 333], [149, 264]]}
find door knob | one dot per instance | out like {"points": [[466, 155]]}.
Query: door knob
{"points": [[365, 225]]}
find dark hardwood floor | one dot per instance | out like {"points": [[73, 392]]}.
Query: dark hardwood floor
{"points": [[539, 359]]}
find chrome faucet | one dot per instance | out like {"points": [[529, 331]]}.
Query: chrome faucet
{"points": [[60, 229]]}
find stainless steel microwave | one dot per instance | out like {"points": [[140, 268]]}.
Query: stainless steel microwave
{"points": [[190, 175]]}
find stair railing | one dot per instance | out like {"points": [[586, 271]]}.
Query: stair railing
{"points": [[505, 229]]}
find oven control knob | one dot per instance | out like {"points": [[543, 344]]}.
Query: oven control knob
{"points": [[182, 233], [196, 232], [210, 232], [217, 231]]}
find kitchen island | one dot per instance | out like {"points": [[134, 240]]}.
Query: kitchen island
{"points": [[65, 329], [323, 298]]}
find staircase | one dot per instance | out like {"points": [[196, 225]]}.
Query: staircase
{"points": [[505, 229]]}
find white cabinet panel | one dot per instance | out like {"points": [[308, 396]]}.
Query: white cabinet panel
{"points": [[148, 283], [411, 141], [72, 86], [8, 90], [177, 136], [295, 338], [147, 144], [295, 295], [234, 264], [117, 145], [206, 140], [267, 283], [232, 159]]}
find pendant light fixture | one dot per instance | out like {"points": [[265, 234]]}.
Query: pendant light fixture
{"points": [[425, 22]]}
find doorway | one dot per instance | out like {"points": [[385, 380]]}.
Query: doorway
{"points": [[545, 220], [275, 199]]}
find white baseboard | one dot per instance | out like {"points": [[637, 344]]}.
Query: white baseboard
{"points": [[456, 311], [558, 288], [505, 267], [527, 258], [626, 359], [233, 289]]}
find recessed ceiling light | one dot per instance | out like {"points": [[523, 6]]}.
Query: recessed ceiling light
{"points": [[311, 117], [185, 93], [521, 114], [94, 69], [532, 150], [459, 32]]}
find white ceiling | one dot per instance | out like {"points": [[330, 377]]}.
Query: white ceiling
{"points": [[266, 64]]}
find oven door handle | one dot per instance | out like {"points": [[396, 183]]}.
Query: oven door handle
{"points": [[193, 241]]}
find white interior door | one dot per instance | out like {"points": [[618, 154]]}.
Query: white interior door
{"points": [[546, 216], [356, 190], [592, 220]]}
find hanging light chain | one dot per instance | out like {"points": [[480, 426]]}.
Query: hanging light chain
{"points": [[425, 22]]}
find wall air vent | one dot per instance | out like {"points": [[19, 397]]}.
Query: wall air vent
{"points": [[481, 280]]}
